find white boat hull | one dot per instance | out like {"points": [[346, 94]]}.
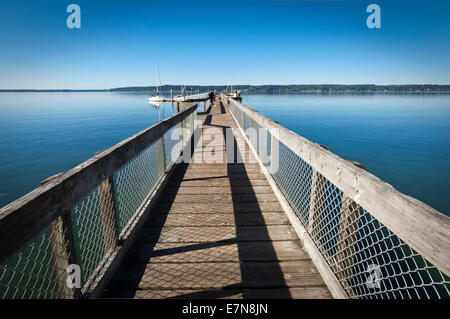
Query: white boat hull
{"points": [[156, 100]]}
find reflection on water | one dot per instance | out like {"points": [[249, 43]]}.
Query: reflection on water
{"points": [[42, 134]]}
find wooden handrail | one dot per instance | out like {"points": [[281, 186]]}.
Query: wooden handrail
{"points": [[423, 228], [24, 218]]}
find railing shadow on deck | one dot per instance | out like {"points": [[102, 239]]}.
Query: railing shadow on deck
{"points": [[266, 253], [249, 279], [366, 239]]}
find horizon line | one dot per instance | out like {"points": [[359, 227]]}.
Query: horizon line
{"points": [[210, 85]]}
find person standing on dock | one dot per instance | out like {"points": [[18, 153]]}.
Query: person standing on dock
{"points": [[211, 96]]}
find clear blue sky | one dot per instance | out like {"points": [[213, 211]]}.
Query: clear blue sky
{"points": [[257, 42]]}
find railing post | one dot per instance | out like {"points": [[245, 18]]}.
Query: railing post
{"points": [[254, 127], [63, 253], [316, 202], [108, 210], [183, 129], [347, 239], [62, 243], [274, 154], [161, 156]]}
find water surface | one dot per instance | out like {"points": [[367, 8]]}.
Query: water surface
{"points": [[42, 134], [402, 139]]}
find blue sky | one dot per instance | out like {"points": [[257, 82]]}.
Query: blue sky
{"points": [[207, 42]]}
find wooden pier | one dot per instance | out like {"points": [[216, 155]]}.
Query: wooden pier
{"points": [[223, 203], [218, 232]]}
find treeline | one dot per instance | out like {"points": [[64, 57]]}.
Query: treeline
{"points": [[296, 88], [273, 89]]}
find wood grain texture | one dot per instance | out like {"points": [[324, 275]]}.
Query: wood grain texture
{"points": [[297, 293], [221, 275], [208, 220], [218, 232], [225, 251]]}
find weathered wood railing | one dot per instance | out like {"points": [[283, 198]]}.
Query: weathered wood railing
{"points": [[367, 239], [193, 97], [87, 216]]}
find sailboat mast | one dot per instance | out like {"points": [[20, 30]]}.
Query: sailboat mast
{"points": [[156, 80]]}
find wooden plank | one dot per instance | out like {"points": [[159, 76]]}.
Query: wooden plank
{"points": [[220, 153], [219, 159], [186, 190], [231, 174], [208, 198], [233, 167], [161, 155], [221, 167], [63, 253], [217, 208], [316, 205], [203, 143], [320, 292], [250, 219], [217, 252], [219, 275], [207, 234], [108, 211], [203, 175], [346, 243], [222, 171], [222, 182], [347, 240]]}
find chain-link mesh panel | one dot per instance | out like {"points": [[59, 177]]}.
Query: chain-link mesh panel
{"points": [[366, 257], [38, 270], [293, 177], [372, 262], [238, 115], [264, 145], [247, 124], [30, 272], [172, 145], [134, 181], [185, 125], [85, 235], [189, 126], [325, 209], [88, 234]]}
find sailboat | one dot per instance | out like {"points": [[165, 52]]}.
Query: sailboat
{"points": [[156, 99]]}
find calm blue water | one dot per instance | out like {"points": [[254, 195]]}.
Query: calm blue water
{"points": [[42, 134], [402, 139]]}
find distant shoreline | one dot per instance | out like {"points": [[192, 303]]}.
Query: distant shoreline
{"points": [[265, 89]]}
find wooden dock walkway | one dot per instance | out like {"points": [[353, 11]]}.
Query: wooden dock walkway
{"points": [[217, 231], [139, 225]]}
